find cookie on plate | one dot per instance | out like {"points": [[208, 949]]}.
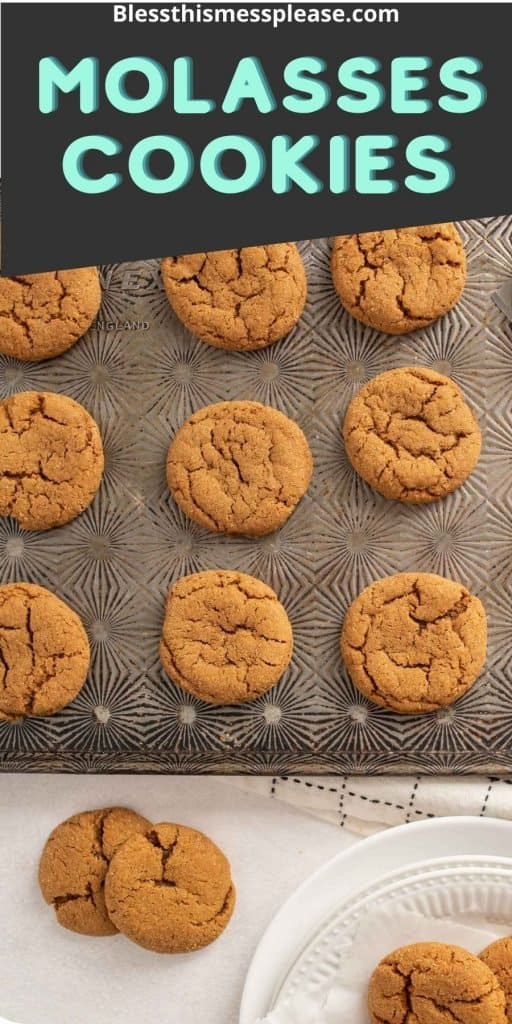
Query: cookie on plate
{"points": [[42, 315], [498, 956], [239, 468], [51, 459], [44, 651], [170, 890], [226, 638], [414, 642], [434, 983], [410, 434], [74, 864], [399, 280], [241, 299]]}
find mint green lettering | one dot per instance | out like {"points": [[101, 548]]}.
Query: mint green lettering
{"points": [[211, 164], [369, 161], [55, 78], [287, 169], [184, 100], [352, 75], [455, 74], [140, 170], [249, 82], [339, 164], [73, 164], [421, 154], [299, 75], [405, 80], [115, 87]]}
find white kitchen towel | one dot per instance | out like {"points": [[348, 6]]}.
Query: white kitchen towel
{"points": [[366, 804]]}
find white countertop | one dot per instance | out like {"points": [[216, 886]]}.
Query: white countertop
{"points": [[50, 976]]}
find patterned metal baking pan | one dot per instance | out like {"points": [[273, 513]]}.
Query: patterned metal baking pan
{"points": [[140, 373]]}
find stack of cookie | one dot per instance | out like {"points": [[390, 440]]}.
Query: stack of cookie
{"points": [[166, 887]]}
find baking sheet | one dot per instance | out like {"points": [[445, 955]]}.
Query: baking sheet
{"points": [[140, 373]]}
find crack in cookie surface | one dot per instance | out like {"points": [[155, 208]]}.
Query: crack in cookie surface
{"points": [[51, 459], [170, 890], [226, 638], [44, 651], [74, 865], [239, 468], [42, 315], [429, 982], [414, 642], [399, 280], [410, 434], [241, 299]]}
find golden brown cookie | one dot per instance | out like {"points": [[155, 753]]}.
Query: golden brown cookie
{"points": [[74, 864], [51, 459], [411, 436], [42, 315], [239, 468], [400, 280], [434, 983], [498, 957], [226, 638], [414, 642], [240, 299], [170, 890], [44, 651]]}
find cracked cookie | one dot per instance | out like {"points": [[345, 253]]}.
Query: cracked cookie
{"points": [[240, 299], [74, 864], [239, 468], [170, 890], [498, 957], [42, 315], [226, 638], [411, 436], [434, 983], [400, 280], [414, 642], [44, 652], [51, 459]]}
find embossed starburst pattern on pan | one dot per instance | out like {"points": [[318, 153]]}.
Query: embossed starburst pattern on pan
{"points": [[141, 378]]}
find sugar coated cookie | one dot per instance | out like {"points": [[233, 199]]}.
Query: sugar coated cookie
{"points": [[226, 638], [42, 315], [498, 956], [239, 468], [44, 651], [170, 890], [434, 983], [414, 642], [51, 459], [410, 434], [74, 864], [240, 299], [400, 280]]}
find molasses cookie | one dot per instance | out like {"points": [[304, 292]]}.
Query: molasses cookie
{"points": [[170, 890], [431, 982], [42, 315], [51, 459], [411, 436], [44, 651], [400, 280], [414, 642], [239, 299], [226, 638], [498, 956], [74, 864], [239, 468]]}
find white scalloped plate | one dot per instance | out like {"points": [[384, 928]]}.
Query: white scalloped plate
{"points": [[440, 868]]}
